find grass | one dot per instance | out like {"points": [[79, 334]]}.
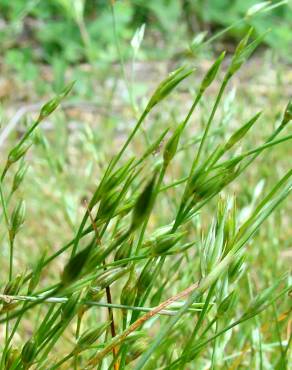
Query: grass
{"points": [[157, 254]]}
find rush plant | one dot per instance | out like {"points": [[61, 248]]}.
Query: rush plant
{"points": [[156, 274]]}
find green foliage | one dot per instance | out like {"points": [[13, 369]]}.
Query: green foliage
{"points": [[146, 255], [83, 30]]}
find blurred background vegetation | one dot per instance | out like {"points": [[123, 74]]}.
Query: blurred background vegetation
{"points": [[77, 30]]}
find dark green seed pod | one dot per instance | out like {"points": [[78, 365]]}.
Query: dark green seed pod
{"points": [[145, 277], [171, 146], [89, 337], [110, 276], [69, 308], [143, 204], [19, 176], [51, 105], [74, 267], [94, 293], [236, 268], [212, 72], [227, 304], [166, 86], [108, 203], [124, 250], [12, 288], [129, 291], [17, 217], [18, 152], [137, 348], [165, 242], [116, 178], [239, 134], [28, 352]]}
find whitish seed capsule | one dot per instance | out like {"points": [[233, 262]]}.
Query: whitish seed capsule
{"points": [[29, 351], [17, 217], [288, 114]]}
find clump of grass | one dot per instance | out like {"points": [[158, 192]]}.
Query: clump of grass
{"points": [[156, 279]]}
